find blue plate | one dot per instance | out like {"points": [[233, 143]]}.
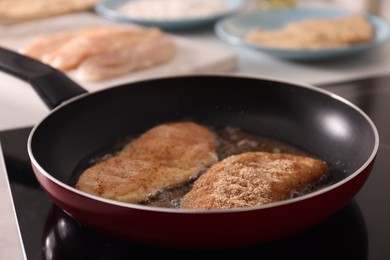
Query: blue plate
{"points": [[109, 9], [233, 30]]}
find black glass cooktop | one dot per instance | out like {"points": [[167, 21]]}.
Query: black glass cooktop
{"points": [[361, 230]]}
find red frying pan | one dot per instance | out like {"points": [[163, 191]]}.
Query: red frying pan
{"points": [[81, 123]]}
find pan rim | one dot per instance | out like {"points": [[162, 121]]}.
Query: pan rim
{"points": [[333, 186]]}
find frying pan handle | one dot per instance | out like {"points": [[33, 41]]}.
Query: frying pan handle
{"points": [[52, 86]]}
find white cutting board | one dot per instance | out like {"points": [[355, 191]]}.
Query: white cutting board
{"points": [[20, 105], [192, 57]]}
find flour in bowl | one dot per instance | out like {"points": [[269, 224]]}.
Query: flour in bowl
{"points": [[172, 9]]}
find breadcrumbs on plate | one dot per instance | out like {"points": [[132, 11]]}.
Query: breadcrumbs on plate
{"points": [[320, 33]]}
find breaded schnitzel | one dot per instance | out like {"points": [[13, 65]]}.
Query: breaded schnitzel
{"points": [[165, 156], [317, 33], [253, 178]]}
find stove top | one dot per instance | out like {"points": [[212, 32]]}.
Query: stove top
{"points": [[360, 230]]}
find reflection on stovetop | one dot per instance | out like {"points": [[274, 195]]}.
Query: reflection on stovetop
{"points": [[343, 236], [359, 231]]}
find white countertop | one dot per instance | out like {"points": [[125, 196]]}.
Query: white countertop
{"points": [[20, 106], [10, 242]]}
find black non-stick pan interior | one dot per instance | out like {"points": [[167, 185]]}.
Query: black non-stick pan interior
{"points": [[313, 120]]}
